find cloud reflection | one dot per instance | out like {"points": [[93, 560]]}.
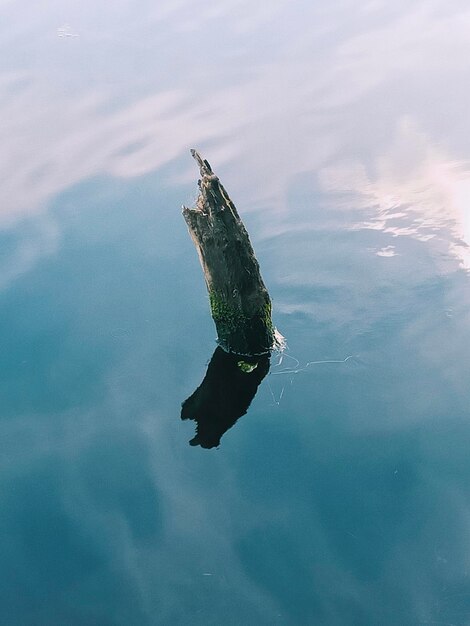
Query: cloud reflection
{"points": [[415, 191], [275, 91]]}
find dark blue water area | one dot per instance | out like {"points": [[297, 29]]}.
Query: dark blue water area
{"points": [[340, 498]]}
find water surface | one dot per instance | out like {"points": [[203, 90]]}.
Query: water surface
{"points": [[341, 133]]}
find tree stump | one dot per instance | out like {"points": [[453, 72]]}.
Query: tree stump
{"points": [[239, 300]]}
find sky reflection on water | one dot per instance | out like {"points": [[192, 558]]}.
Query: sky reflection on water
{"points": [[341, 133]]}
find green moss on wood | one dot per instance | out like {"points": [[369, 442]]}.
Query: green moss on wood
{"points": [[266, 317], [228, 315], [239, 332], [247, 368]]}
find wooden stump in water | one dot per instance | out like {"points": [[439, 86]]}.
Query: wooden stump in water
{"points": [[240, 303]]}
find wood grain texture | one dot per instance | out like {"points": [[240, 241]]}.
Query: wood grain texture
{"points": [[240, 303]]}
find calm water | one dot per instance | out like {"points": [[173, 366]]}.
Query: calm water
{"points": [[341, 132]]}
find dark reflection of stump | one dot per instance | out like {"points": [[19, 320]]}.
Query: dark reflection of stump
{"points": [[229, 386]]}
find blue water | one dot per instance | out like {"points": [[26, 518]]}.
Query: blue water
{"points": [[341, 133]]}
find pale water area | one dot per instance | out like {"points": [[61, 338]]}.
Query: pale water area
{"points": [[341, 131]]}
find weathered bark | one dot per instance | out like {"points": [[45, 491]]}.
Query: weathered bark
{"points": [[240, 303]]}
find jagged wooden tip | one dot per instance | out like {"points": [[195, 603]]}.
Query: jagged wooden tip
{"points": [[204, 166]]}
